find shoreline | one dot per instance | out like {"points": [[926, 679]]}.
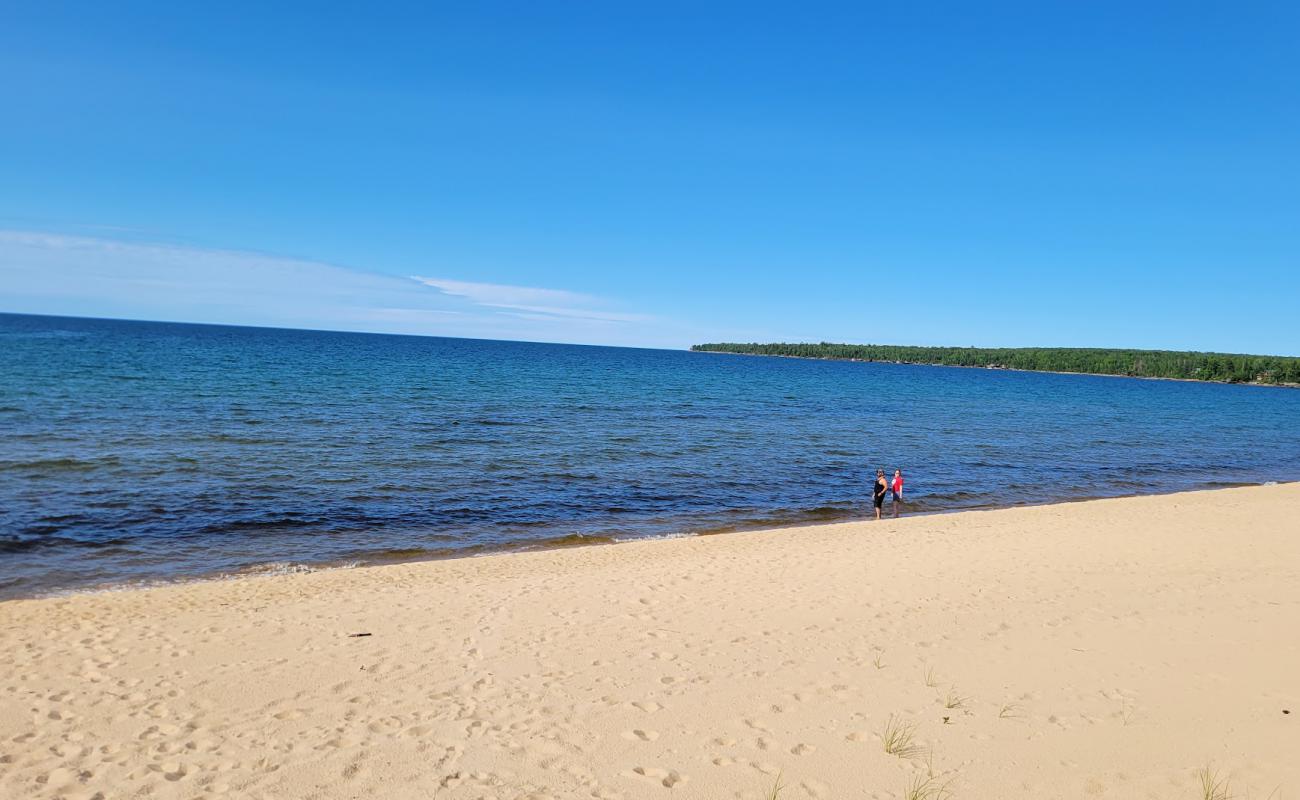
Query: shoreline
{"points": [[1104, 648], [1003, 369], [565, 542]]}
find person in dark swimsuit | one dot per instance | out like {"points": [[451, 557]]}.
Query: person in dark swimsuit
{"points": [[879, 490]]}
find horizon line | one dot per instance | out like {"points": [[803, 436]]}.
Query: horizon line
{"points": [[331, 330], [689, 348]]}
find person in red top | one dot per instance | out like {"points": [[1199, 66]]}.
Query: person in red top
{"points": [[897, 487]]}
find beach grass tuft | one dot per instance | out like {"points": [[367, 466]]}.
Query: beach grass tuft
{"points": [[775, 792], [1009, 711], [1212, 786], [899, 738], [878, 661], [954, 700], [926, 787], [930, 680], [1125, 711]]}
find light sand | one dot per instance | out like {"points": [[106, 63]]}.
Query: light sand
{"points": [[1101, 649]]}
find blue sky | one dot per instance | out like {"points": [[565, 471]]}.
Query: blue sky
{"points": [[1090, 173]]}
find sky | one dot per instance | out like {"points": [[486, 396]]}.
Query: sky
{"points": [[1094, 174]]}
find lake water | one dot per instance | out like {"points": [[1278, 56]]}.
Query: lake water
{"points": [[134, 452]]}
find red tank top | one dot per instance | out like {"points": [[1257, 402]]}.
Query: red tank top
{"points": [[898, 484]]}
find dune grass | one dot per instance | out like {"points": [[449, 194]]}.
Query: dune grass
{"points": [[879, 660], [1009, 711], [926, 787], [1212, 786], [899, 738], [775, 792], [1125, 711], [930, 680], [954, 700]]}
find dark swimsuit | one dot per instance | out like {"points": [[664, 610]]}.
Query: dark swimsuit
{"points": [[879, 494]]}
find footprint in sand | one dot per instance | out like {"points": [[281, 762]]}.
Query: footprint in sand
{"points": [[668, 778]]}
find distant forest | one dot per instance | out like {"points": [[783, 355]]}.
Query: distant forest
{"points": [[1219, 367]]}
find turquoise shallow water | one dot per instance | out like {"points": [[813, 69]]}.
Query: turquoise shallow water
{"points": [[134, 451]]}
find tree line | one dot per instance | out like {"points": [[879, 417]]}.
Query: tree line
{"points": [[1186, 365]]}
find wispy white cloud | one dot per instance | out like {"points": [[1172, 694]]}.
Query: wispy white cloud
{"points": [[50, 273], [538, 303], [501, 294]]}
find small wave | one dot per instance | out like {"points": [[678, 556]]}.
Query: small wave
{"points": [[13, 544], [656, 538], [570, 476], [280, 522], [65, 464], [575, 540], [232, 439], [276, 568]]}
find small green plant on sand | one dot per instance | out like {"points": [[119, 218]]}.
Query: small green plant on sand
{"points": [[1009, 711], [953, 700], [930, 680], [879, 660], [926, 787], [775, 792], [1125, 711], [1212, 787], [899, 738], [929, 761]]}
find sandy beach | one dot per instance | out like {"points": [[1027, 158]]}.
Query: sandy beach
{"points": [[1109, 648]]}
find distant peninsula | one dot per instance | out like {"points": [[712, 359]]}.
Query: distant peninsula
{"points": [[1169, 364]]}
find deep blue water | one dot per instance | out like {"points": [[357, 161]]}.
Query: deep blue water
{"points": [[134, 451]]}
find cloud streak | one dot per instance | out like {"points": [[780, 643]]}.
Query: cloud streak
{"points": [[537, 303], [49, 273]]}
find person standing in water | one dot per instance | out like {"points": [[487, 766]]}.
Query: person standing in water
{"points": [[878, 491], [897, 487]]}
